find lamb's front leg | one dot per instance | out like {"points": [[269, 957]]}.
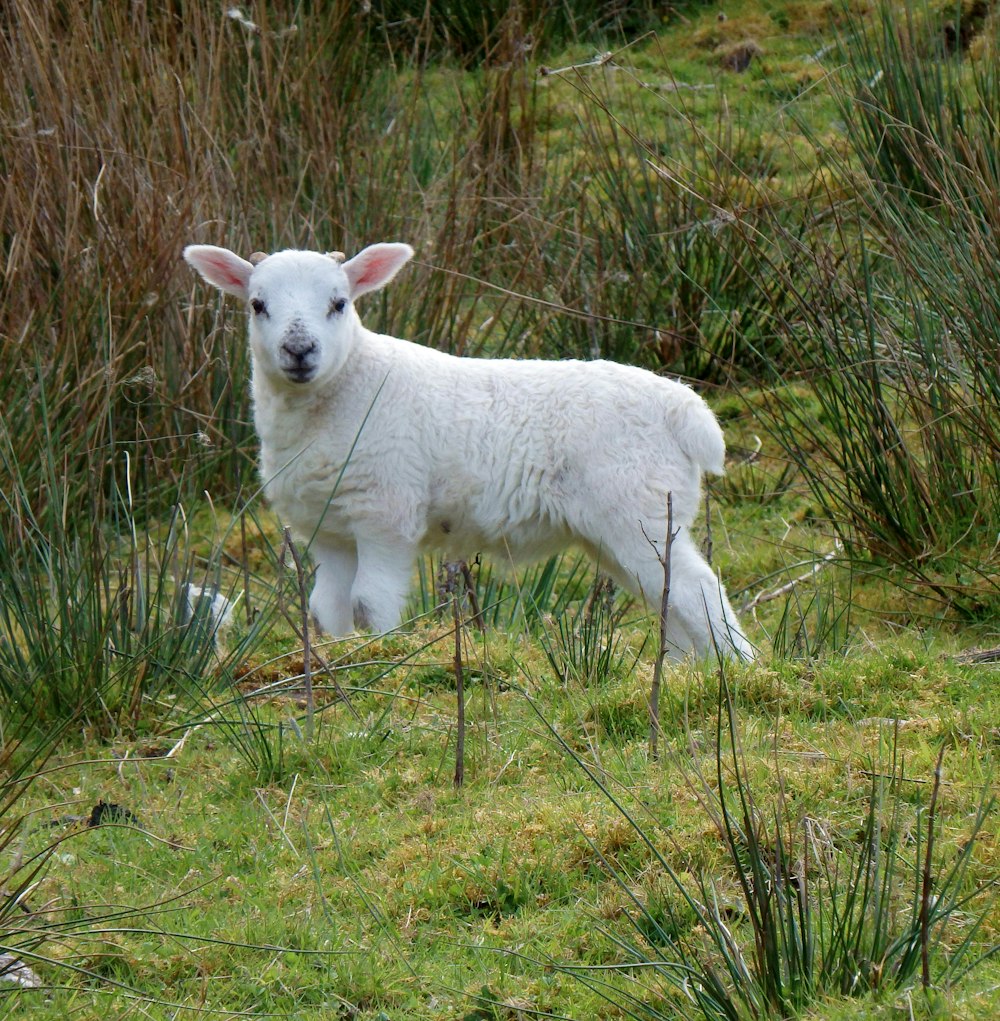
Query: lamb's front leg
{"points": [[382, 583], [330, 602]]}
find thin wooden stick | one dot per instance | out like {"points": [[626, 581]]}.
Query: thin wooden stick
{"points": [[321, 663], [661, 655], [764, 597], [709, 545], [453, 570], [470, 588], [303, 637]]}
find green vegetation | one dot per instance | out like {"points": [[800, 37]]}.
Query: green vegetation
{"points": [[793, 204]]}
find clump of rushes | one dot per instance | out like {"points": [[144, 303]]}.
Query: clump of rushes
{"points": [[99, 617], [808, 914], [886, 396]]}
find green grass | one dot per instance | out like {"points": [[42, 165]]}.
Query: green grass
{"points": [[834, 297], [363, 874]]}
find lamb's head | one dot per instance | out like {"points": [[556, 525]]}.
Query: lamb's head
{"points": [[302, 320]]}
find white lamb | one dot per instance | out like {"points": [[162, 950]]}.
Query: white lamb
{"points": [[377, 449]]}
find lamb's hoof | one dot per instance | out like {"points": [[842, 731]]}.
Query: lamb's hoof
{"points": [[362, 616]]}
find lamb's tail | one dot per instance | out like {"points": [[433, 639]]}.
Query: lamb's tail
{"points": [[699, 434]]}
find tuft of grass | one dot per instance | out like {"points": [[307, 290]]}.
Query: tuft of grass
{"points": [[584, 647], [801, 913], [98, 622]]}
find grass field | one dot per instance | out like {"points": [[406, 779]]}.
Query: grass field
{"points": [[793, 205]]}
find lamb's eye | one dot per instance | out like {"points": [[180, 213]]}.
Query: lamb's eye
{"points": [[259, 308], [337, 306]]}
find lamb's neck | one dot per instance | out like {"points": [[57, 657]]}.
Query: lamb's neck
{"points": [[281, 413]]}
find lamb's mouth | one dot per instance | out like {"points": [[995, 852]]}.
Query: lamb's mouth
{"points": [[301, 374]]}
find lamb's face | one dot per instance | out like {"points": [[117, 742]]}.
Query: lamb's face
{"points": [[302, 323], [302, 320]]}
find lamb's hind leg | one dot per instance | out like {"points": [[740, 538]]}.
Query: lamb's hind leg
{"points": [[699, 617], [698, 598], [678, 642]]}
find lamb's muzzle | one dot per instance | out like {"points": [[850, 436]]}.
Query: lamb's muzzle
{"points": [[299, 354]]}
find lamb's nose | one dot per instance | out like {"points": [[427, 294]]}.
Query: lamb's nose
{"points": [[299, 348]]}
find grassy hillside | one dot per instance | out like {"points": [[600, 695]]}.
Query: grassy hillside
{"points": [[794, 205]]}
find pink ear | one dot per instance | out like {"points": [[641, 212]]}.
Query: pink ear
{"points": [[375, 266], [221, 268]]}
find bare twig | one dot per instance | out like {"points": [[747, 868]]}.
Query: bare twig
{"points": [[661, 655], [322, 665], [447, 586], [281, 828], [605, 59], [178, 747], [765, 597], [470, 589], [598, 60], [453, 571], [302, 634], [708, 545]]}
